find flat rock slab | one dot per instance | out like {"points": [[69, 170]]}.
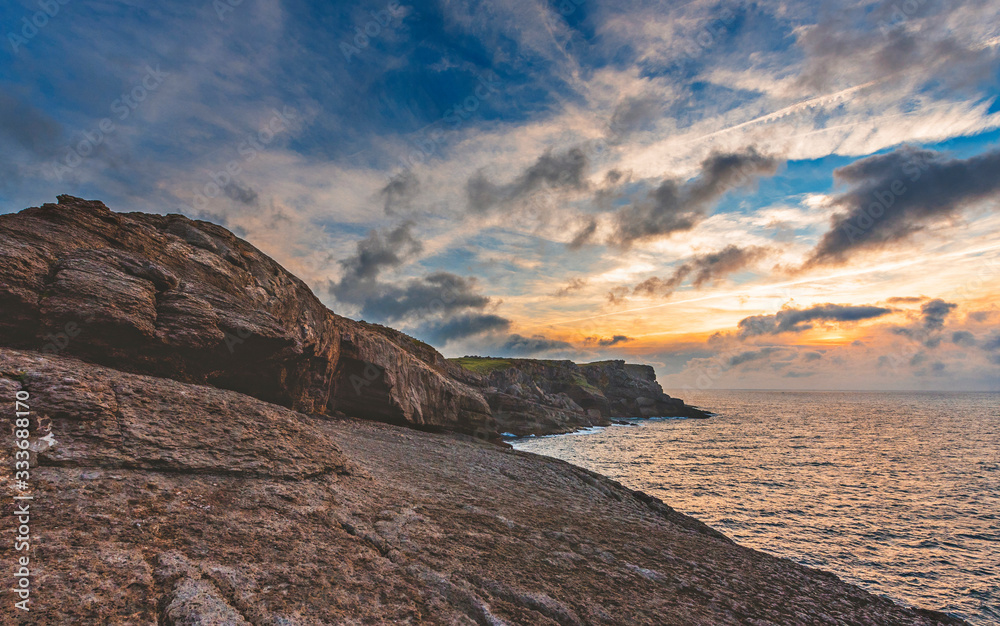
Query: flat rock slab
{"points": [[169, 503]]}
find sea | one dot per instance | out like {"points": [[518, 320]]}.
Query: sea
{"points": [[897, 492]]}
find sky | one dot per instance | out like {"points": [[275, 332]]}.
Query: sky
{"points": [[777, 194]]}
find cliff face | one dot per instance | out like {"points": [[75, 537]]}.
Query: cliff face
{"points": [[172, 297], [538, 397]]}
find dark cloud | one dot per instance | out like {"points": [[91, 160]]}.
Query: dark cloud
{"points": [[618, 295], [812, 356], [463, 326], [963, 338], [554, 170], [435, 295], [242, 194], [993, 343], [907, 300], [574, 285], [632, 114], [399, 192], [677, 206], [452, 299], [981, 316], [935, 312], [607, 342], [929, 338], [584, 236], [706, 268], [751, 355], [876, 42], [797, 374], [895, 195], [799, 320], [932, 316], [28, 127], [375, 253], [517, 345]]}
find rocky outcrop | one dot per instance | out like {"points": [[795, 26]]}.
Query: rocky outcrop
{"points": [[631, 390], [103, 418], [160, 502], [541, 397], [172, 297]]}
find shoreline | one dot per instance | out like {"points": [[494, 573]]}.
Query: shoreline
{"points": [[757, 528]]}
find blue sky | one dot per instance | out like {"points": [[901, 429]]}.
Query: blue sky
{"points": [[529, 178]]}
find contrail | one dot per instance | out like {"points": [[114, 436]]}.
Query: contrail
{"points": [[805, 104]]}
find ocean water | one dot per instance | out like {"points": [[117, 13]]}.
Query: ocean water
{"points": [[896, 492]]}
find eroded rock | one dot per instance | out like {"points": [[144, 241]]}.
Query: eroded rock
{"points": [[176, 298]]}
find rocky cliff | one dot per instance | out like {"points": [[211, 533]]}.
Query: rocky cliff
{"points": [[538, 397], [173, 297]]}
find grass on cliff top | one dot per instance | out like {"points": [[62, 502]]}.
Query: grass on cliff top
{"points": [[482, 365]]}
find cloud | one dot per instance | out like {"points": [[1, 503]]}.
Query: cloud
{"points": [[884, 42], [992, 344], [400, 191], [906, 300], [607, 342], [463, 326], [932, 315], [554, 170], [799, 320], [895, 195], [812, 356], [632, 114], [935, 312], [437, 294], [574, 285], [375, 253], [440, 295], [27, 126], [706, 268], [751, 355], [516, 345], [677, 206], [245, 195], [585, 235], [963, 338], [797, 374]]}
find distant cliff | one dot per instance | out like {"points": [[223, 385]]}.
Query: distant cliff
{"points": [[536, 397]]}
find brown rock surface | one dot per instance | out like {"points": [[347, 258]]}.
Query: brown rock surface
{"points": [[170, 503], [544, 397], [172, 297]]}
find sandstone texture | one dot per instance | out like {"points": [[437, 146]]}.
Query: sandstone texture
{"points": [[177, 298], [160, 502], [542, 397]]}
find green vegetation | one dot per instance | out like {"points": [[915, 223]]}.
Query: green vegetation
{"points": [[482, 365], [580, 381]]}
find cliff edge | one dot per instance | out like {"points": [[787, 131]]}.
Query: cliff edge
{"points": [[543, 397]]}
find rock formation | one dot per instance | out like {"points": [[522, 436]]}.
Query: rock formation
{"points": [[539, 397], [173, 297]]}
